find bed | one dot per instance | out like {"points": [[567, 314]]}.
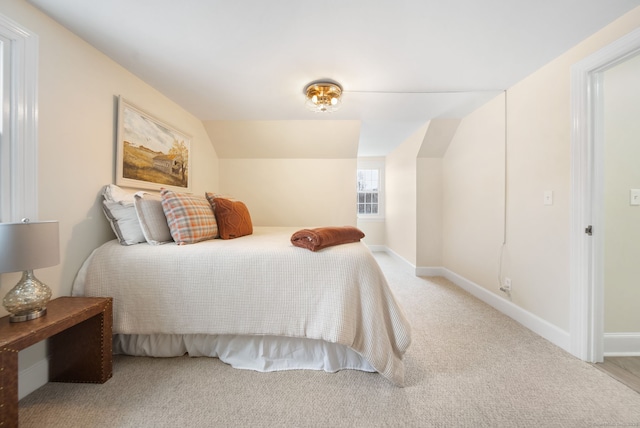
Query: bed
{"points": [[256, 302]]}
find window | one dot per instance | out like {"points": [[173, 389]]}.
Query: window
{"points": [[370, 189]]}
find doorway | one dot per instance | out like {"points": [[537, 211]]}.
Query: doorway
{"points": [[620, 102], [587, 186], [621, 138]]}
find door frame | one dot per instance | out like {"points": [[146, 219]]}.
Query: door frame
{"points": [[587, 191], [19, 144]]}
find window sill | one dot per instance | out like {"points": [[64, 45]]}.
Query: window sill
{"points": [[367, 219]]}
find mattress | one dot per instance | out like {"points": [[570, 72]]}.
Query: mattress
{"points": [[255, 286]]}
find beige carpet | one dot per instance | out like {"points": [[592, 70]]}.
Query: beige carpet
{"points": [[468, 366]]}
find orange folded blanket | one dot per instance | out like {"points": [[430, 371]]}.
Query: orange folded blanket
{"points": [[323, 237]]}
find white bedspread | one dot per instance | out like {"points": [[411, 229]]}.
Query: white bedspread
{"points": [[255, 285]]}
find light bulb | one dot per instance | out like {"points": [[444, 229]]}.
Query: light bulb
{"points": [[334, 101], [314, 99]]}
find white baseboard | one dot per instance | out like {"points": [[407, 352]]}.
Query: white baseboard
{"points": [[552, 333], [430, 271], [398, 257], [32, 378], [622, 344], [534, 323]]}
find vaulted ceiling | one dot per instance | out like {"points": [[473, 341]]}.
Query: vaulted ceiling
{"points": [[401, 63]]}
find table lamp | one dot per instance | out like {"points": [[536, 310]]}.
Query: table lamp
{"points": [[26, 246]]}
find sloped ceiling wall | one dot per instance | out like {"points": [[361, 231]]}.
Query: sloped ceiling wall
{"points": [[285, 139], [309, 139], [437, 138]]}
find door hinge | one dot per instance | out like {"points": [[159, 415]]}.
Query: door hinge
{"points": [[589, 230]]}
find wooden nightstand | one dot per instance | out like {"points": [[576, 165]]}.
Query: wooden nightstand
{"points": [[80, 344]]}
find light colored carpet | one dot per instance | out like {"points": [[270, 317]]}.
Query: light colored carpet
{"points": [[468, 366]]}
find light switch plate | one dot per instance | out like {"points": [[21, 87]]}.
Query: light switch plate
{"points": [[634, 197], [548, 197]]}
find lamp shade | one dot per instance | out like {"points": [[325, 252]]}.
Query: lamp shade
{"points": [[25, 246]]}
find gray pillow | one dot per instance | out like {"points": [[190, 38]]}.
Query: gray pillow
{"points": [[152, 219], [124, 222]]}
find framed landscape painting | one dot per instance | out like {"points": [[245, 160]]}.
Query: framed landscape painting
{"points": [[150, 154]]}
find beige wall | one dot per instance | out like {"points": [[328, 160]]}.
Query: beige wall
{"points": [[77, 90], [290, 173], [473, 196], [401, 196], [429, 212], [622, 220], [374, 231], [293, 192]]}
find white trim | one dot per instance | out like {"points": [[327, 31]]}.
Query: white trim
{"points": [[370, 219], [430, 271], [417, 271], [586, 262], [399, 258], [20, 196], [377, 248], [622, 344], [534, 323]]}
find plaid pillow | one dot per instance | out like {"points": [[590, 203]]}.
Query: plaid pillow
{"points": [[190, 218]]}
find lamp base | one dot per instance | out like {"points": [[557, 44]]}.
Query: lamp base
{"points": [[28, 299], [27, 317]]}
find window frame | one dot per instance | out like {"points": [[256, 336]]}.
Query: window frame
{"points": [[378, 165]]}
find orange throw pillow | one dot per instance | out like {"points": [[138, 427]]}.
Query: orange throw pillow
{"points": [[232, 217]]}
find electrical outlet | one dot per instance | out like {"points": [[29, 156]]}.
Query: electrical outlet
{"points": [[507, 285]]}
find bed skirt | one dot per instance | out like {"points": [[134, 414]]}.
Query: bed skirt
{"points": [[260, 353]]}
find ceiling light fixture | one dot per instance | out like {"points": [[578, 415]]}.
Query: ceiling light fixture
{"points": [[323, 96]]}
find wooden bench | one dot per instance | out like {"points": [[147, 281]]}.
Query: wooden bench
{"points": [[79, 331]]}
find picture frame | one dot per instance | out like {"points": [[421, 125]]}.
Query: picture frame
{"points": [[150, 153]]}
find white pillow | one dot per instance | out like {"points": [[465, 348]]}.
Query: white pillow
{"points": [[152, 219], [119, 209], [113, 193]]}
